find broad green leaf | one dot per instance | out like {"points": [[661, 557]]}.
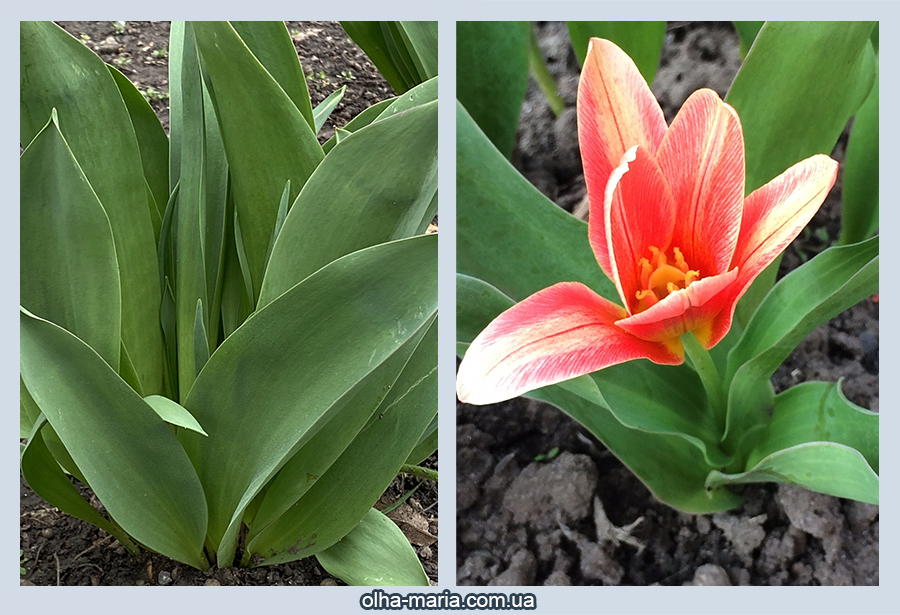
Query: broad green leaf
{"points": [[375, 552], [860, 188], [273, 383], [507, 233], [810, 295], [747, 31], [152, 141], [58, 71], [48, 480], [814, 75], [492, 75], [421, 40], [267, 141], [350, 414], [323, 110], [271, 43], [385, 173], [329, 510], [127, 453], [189, 284], [641, 40], [68, 270], [825, 467], [173, 413], [818, 412], [28, 411], [370, 38]]}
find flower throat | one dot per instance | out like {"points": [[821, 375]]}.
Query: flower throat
{"points": [[659, 277]]}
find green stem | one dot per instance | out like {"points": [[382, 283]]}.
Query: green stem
{"points": [[709, 376], [420, 472]]}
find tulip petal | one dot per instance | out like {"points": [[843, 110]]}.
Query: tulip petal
{"points": [[616, 111], [773, 217], [702, 157], [638, 212], [558, 333], [691, 309]]}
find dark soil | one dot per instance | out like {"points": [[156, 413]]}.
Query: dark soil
{"points": [[583, 518], [62, 550]]}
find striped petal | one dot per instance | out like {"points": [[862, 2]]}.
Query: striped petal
{"points": [[558, 333], [702, 157], [773, 217], [616, 111], [638, 212]]}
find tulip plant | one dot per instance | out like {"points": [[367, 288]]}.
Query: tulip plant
{"points": [[228, 333], [667, 354]]}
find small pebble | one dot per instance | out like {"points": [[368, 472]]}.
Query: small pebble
{"points": [[212, 583], [165, 577], [48, 532], [328, 583]]}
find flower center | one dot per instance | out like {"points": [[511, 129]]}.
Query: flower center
{"points": [[659, 278]]}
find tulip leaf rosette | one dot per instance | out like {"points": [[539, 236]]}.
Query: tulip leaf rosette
{"points": [[229, 332], [671, 228]]}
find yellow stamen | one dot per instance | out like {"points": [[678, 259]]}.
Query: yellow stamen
{"points": [[659, 279]]}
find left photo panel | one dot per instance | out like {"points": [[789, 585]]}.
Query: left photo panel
{"points": [[229, 303]]}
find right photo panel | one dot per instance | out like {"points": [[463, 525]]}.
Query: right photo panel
{"points": [[667, 303]]}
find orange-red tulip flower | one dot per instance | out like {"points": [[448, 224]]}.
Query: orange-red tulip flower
{"points": [[669, 225]]}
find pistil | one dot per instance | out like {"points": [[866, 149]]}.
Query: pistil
{"points": [[659, 278]]}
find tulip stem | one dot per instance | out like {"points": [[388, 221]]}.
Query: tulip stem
{"points": [[709, 375]]}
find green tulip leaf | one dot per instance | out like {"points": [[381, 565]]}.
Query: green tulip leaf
{"points": [[273, 384], [375, 552], [57, 71], [267, 140], [323, 110], [818, 412], [815, 75], [68, 270], [271, 43], [492, 75], [152, 141], [127, 453], [420, 38], [812, 294], [747, 31], [47, 479], [826, 467], [329, 510], [352, 411], [370, 37], [365, 117], [385, 173], [173, 413], [860, 188], [426, 446], [641, 40], [508, 233]]}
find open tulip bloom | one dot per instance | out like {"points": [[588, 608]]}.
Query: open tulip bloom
{"points": [[671, 227]]}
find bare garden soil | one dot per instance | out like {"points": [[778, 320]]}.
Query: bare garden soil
{"points": [[61, 550], [581, 517]]}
